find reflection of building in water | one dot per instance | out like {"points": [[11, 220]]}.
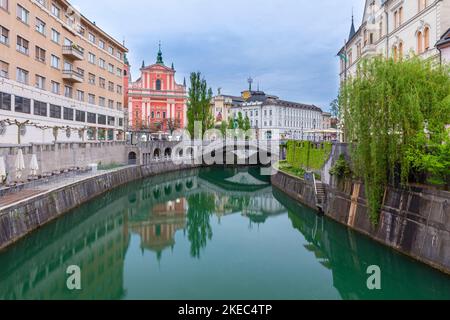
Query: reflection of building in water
{"points": [[96, 243], [262, 206], [157, 233]]}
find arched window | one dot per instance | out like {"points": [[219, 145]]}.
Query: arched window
{"points": [[426, 38], [400, 50], [400, 16], [158, 84], [419, 43], [395, 53]]}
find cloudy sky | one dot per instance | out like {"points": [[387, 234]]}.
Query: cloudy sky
{"points": [[287, 46]]}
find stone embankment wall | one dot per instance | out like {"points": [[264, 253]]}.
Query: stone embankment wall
{"points": [[415, 222], [21, 218], [59, 156]]}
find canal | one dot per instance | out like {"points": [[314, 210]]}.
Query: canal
{"points": [[215, 233]]}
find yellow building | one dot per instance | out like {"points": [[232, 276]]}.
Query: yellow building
{"points": [[60, 72]]}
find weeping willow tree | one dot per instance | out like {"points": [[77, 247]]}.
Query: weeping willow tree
{"points": [[395, 116]]}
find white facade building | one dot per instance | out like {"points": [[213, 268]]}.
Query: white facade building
{"points": [[444, 47], [277, 119], [396, 28]]}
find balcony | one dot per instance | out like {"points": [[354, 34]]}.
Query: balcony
{"points": [[369, 50], [72, 76], [73, 52]]}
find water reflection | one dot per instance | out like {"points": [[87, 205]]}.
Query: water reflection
{"points": [[201, 209]]}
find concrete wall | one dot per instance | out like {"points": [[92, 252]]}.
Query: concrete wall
{"points": [[19, 219], [59, 156], [415, 222]]}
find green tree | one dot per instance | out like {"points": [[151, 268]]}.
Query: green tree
{"points": [[240, 121], [334, 108], [199, 108], [223, 128], [247, 126], [395, 118]]}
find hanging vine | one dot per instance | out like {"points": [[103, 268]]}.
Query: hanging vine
{"points": [[394, 114]]}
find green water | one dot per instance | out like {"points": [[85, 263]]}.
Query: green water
{"points": [[207, 234]]}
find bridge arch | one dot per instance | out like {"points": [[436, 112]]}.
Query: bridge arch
{"points": [[168, 152], [157, 153], [132, 158]]}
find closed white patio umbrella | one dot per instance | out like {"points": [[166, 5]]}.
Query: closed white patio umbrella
{"points": [[20, 164], [2, 169], [34, 166]]}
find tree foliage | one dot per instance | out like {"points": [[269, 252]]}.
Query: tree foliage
{"points": [[395, 116], [199, 108]]}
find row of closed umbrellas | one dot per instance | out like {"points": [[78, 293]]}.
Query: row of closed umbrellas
{"points": [[19, 166]]}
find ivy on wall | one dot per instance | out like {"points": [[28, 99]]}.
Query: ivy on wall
{"points": [[395, 116], [308, 155]]}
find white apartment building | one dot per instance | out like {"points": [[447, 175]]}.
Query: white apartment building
{"points": [[276, 119], [396, 28]]}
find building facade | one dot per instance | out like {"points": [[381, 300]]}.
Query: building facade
{"points": [[61, 76], [156, 102], [221, 106], [444, 47], [397, 29], [276, 119]]}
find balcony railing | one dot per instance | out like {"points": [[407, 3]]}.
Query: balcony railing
{"points": [[73, 76], [73, 52]]}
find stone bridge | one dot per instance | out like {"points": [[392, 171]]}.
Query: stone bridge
{"points": [[237, 152]]}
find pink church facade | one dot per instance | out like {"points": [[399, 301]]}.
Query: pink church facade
{"points": [[156, 102]]}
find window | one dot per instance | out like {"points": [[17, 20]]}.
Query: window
{"points": [[40, 54], [40, 82], [111, 121], [111, 50], [395, 19], [400, 16], [164, 115], [119, 72], [68, 114], [56, 11], [22, 105], [54, 62], [426, 38], [111, 104], [68, 92], [422, 4], [119, 55], [380, 31], [67, 42], [55, 111], [119, 89], [5, 101], [4, 35], [22, 45], [158, 84], [4, 69], [80, 116], [22, 14], [119, 106], [80, 95], [358, 50], [102, 83], [40, 108], [91, 78], [102, 63], [395, 53], [4, 4], [91, 98], [111, 68], [22, 76], [40, 26], [101, 119], [101, 101], [120, 122], [101, 44], [68, 66], [55, 36], [91, 37], [111, 86], [91, 58], [55, 87], [419, 43], [91, 117]]}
